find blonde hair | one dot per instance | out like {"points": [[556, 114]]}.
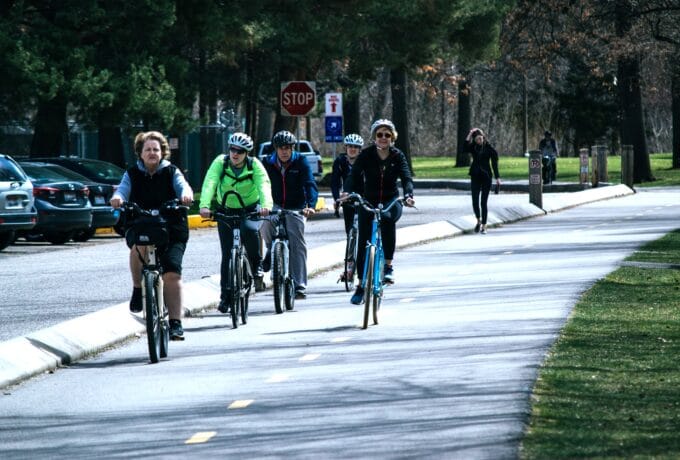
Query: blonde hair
{"points": [[142, 137]]}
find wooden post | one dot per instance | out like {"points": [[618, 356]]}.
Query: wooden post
{"points": [[535, 179], [583, 162]]}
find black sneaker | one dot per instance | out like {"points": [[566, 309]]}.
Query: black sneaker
{"points": [[300, 293], [176, 331], [267, 262], [358, 297], [224, 306], [388, 275], [136, 300], [259, 283]]}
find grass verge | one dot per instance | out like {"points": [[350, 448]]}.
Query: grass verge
{"points": [[610, 384]]}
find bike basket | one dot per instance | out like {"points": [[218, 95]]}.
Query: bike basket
{"points": [[146, 231]]}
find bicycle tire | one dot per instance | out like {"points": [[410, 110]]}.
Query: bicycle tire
{"points": [[165, 324], [247, 283], [153, 330], [234, 288], [278, 282], [368, 291], [350, 259], [378, 283], [289, 296]]}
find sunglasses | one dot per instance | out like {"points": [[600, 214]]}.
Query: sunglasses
{"points": [[385, 135], [237, 151]]}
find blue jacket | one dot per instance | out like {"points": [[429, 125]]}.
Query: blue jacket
{"points": [[293, 186]]}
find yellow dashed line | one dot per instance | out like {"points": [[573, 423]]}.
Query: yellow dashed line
{"points": [[310, 357], [201, 436], [277, 378], [241, 403]]}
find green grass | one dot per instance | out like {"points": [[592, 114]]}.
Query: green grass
{"points": [[517, 168], [610, 385]]}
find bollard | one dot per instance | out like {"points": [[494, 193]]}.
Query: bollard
{"points": [[583, 162], [627, 160], [535, 179], [598, 154]]}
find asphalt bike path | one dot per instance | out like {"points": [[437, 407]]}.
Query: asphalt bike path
{"points": [[446, 374]]}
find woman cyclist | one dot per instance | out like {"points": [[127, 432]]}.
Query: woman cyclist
{"points": [[374, 176], [340, 177], [152, 182], [236, 171]]}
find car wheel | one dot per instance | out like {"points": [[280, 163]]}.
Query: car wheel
{"points": [[83, 235], [58, 237], [6, 238]]}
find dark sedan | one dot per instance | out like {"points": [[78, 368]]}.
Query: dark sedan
{"points": [[62, 203], [95, 170], [102, 213]]}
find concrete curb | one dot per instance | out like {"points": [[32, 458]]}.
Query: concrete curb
{"points": [[47, 349]]}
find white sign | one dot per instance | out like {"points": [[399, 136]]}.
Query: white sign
{"points": [[333, 104]]}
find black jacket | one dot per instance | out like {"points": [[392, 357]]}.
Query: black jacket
{"points": [[484, 160], [340, 177], [293, 188], [376, 180]]}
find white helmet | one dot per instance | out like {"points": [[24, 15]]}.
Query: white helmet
{"points": [[354, 139], [384, 122], [241, 140]]}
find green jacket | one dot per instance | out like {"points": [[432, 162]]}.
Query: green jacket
{"points": [[252, 184]]}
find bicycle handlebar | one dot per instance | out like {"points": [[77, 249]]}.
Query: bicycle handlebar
{"points": [[170, 205], [356, 198]]}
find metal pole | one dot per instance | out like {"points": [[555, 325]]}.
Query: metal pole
{"points": [[535, 179]]}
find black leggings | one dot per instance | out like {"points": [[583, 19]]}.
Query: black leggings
{"points": [[482, 185], [250, 236], [388, 230]]}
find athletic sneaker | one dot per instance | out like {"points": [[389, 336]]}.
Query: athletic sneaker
{"points": [[176, 331], [224, 306], [259, 283], [358, 296], [136, 300], [300, 293], [388, 276]]}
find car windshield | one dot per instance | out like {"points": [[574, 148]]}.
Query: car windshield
{"points": [[51, 173], [103, 171], [9, 171]]}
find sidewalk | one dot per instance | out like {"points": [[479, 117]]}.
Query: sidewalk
{"points": [[47, 349]]}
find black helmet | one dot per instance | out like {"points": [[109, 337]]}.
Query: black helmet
{"points": [[547, 133], [283, 138]]}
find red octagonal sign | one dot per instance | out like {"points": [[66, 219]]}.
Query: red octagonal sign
{"points": [[298, 98]]}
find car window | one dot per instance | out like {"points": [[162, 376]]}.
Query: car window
{"points": [[9, 172], [303, 147], [36, 172], [103, 171]]}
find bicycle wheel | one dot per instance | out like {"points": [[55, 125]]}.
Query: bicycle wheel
{"points": [[165, 325], [378, 284], [153, 320], [234, 288], [247, 285], [350, 259], [289, 297], [368, 295], [277, 277]]}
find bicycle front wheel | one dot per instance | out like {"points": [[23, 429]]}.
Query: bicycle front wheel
{"points": [[163, 312], [153, 320], [368, 295], [277, 277], [247, 283], [378, 284], [234, 288], [350, 259]]}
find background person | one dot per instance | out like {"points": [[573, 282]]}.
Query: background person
{"points": [[341, 177], [374, 176], [150, 183], [238, 172], [549, 151], [293, 188], [484, 165]]}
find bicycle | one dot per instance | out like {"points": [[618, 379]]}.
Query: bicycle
{"points": [[351, 249], [240, 272], [282, 282], [148, 228], [374, 263]]}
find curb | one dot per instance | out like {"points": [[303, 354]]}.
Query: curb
{"points": [[47, 349]]}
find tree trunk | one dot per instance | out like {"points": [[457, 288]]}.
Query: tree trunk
{"points": [[464, 120], [264, 124], [50, 130], [351, 110], [400, 111], [675, 91]]}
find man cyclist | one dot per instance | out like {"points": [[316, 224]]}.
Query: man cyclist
{"points": [[293, 188], [374, 176], [340, 177], [236, 171], [150, 183], [549, 151]]}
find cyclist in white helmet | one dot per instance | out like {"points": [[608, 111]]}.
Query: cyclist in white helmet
{"points": [[374, 176], [340, 177], [244, 174]]}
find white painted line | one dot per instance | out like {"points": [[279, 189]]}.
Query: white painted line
{"points": [[278, 378], [241, 403], [339, 339], [200, 437], [310, 357], [407, 299]]}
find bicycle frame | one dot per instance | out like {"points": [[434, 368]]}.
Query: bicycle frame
{"points": [[376, 242]]}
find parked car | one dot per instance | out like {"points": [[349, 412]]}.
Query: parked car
{"points": [[16, 201], [306, 149], [62, 203], [95, 170], [102, 213]]}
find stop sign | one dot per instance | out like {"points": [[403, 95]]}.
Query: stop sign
{"points": [[298, 98]]}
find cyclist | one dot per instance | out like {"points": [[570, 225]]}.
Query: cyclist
{"points": [[150, 183], [236, 171], [374, 176], [293, 188], [340, 177], [549, 151]]}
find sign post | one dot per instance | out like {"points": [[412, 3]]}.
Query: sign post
{"points": [[334, 119], [535, 179]]}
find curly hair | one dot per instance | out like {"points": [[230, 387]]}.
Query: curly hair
{"points": [[142, 137]]}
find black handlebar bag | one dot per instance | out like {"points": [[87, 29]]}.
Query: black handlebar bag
{"points": [[146, 231]]}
